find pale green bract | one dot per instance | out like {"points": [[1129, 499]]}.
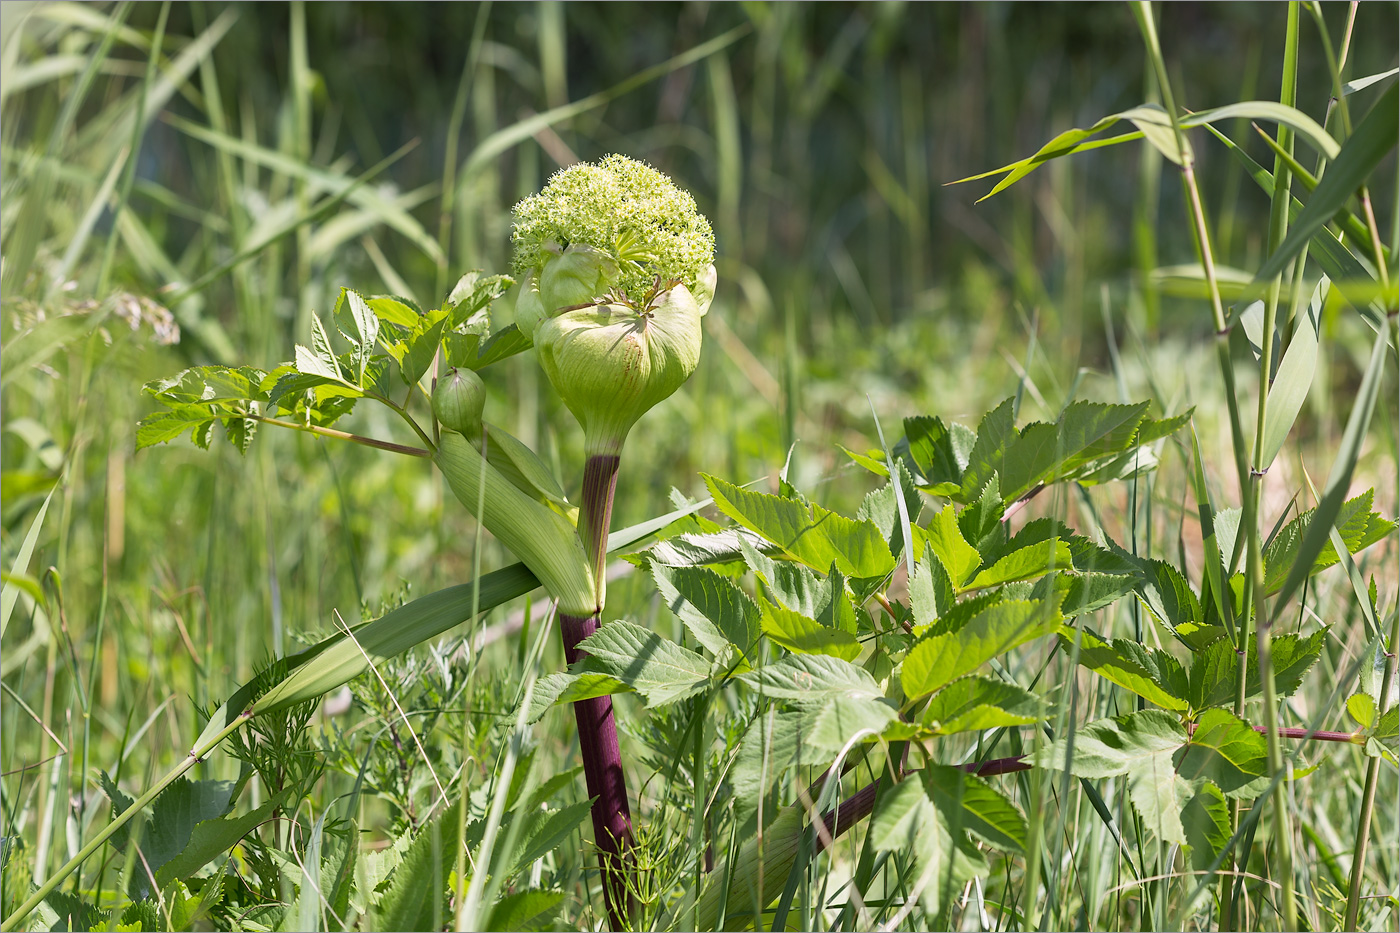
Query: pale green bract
{"points": [[628, 211]]}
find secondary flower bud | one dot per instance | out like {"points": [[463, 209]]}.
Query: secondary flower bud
{"points": [[611, 363], [458, 401]]}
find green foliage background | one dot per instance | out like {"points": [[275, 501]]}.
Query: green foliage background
{"points": [[817, 141]]}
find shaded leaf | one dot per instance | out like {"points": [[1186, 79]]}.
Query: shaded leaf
{"points": [[526, 910], [941, 453], [1149, 672], [1206, 819], [834, 724]]}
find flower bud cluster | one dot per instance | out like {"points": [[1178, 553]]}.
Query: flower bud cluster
{"points": [[616, 269], [624, 209]]}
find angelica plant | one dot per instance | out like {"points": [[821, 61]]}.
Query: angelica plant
{"points": [[617, 266]]}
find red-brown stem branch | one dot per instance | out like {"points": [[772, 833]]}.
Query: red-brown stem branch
{"points": [[859, 805], [597, 730]]}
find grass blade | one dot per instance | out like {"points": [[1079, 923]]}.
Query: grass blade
{"points": [[1349, 170], [10, 594], [1340, 479], [1293, 380]]}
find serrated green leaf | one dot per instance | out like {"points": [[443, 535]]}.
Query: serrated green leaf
{"points": [[713, 608], [1362, 708], [985, 811], [526, 911], [364, 328], [995, 435], [165, 426], [319, 359], [168, 832], [974, 703], [1226, 751], [1139, 745], [1167, 595], [503, 344], [1206, 820], [810, 678], [881, 508], [1084, 432], [958, 558], [1389, 725], [930, 589], [980, 522], [569, 687], [392, 310], [1359, 526], [546, 836], [419, 349], [657, 668], [1089, 592], [240, 432], [790, 584], [939, 659], [832, 725], [1214, 676], [472, 295], [941, 453], [211, 838], [690, 549], [416, 895], [1150, 673], [813, 535], [798, 633], [460, 350], [1032, 561]]}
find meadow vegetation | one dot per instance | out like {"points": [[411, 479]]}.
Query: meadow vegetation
{"points": [[1019, 563]]}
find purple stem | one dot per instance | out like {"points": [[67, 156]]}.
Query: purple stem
{"points": [[597, 730]]}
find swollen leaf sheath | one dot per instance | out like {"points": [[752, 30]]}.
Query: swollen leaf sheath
{"points": [[541, 538]]}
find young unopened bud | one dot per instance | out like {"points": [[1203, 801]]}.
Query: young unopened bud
{"points": [[458, 401], [611, 363]]}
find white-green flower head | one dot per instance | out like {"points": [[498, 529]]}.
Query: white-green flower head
{"points": [[618, 229], [611, 363]]}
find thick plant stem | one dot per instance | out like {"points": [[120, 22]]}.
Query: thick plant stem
{"points": [[1368, 795], [597, 730]]}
